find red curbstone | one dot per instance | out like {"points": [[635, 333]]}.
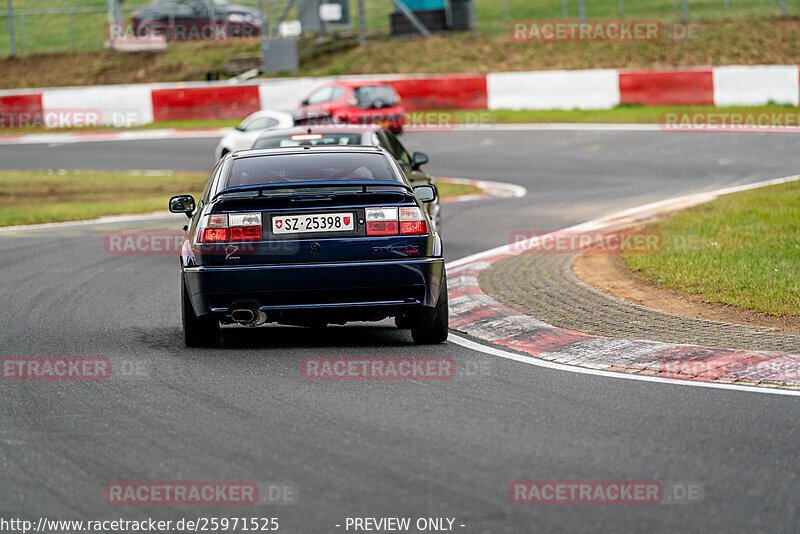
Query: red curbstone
{"points": [[667, 88], [205, 103], [451, 92]]}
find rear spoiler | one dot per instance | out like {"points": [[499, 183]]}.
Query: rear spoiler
{"points": [[364, 184]]}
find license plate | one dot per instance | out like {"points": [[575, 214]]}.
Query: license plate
{"points": [[314, 222]]}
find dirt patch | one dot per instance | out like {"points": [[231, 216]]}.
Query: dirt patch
{"points": [[611, 275]]}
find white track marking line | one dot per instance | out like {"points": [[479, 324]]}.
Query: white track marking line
{"points": [[111, 219], [537, 362]]}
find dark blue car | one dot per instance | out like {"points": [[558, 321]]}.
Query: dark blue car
{"points": [[311, 236]]}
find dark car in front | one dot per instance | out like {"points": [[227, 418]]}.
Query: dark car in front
{"points": [[349, 134], [311, 236]]}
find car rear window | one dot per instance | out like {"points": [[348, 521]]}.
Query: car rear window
{"points": [[282, 168], [326, 140], [376, 96]]}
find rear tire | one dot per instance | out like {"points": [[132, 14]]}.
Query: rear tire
{"points": [[197, 331], [433, 329]]}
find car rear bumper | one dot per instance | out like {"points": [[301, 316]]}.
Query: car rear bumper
{"points": [[387, 285]]}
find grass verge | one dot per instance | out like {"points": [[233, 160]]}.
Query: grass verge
{"points": [[738, 41], [33, 197], [741, 249]]}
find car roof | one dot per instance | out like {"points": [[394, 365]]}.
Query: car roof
{"points": [[357, 83], [269, 113], [346, 149], [324, 129]]}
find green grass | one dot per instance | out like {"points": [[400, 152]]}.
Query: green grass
{"points": [[447, 190], [732, 42], [51, 32], [624, 114], [33, 197], [741, 249]]}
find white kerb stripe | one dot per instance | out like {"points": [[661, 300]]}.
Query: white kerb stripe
{"points": [[119, 105], [581, 89], [756, 86]]}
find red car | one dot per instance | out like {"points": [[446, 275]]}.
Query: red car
{"points": [[353, 102]]}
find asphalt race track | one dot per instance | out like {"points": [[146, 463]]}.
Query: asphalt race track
{"points": [[378, 448]]}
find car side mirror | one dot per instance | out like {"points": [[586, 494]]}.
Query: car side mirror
{"points": [[304, 102], [418, 160], [182, 204], [425, 193]]}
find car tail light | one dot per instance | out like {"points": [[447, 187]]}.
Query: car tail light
{"points": [[214, 235], [245, 226], [412, 222], [230, 227], [381, 221]]}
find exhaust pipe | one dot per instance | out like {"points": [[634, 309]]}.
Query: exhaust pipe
{"points": [[248, 316]]}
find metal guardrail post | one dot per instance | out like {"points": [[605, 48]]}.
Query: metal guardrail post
{"points": [[11, 37], [685, 10], [784, 9], [362, 25], [72, 30], [564, 9], [473, 18], [582, 10]]}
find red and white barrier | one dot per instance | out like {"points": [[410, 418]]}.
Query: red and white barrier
{"points": [[128, 105], [578, 89], [753, 86]]}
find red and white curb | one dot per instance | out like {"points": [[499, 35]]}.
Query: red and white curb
{"points": [[488, 189], [475, 313]]}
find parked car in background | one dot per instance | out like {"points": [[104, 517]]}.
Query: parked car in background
{"points": [[190, 20], [353, 102], [370, 135], [243, 136]]}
